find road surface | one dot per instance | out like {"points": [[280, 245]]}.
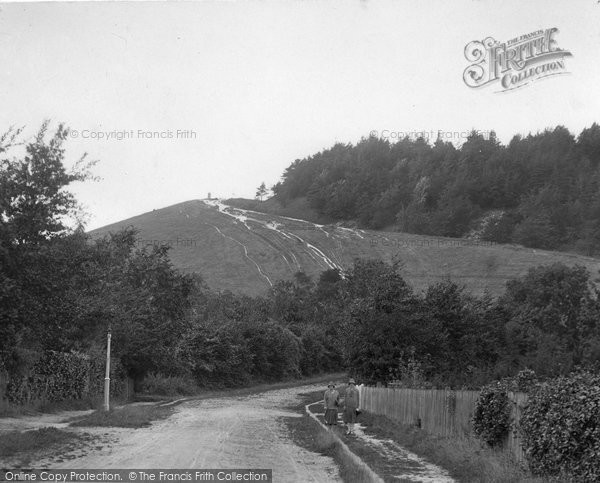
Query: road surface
{"points": [[228, 432]]}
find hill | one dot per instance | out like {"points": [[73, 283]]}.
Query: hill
{"points": [[247, 251]]}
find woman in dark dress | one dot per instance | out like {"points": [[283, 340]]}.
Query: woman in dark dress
{"points": [[332, 401]]}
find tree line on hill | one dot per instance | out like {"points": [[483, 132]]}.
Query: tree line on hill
{"points": [[61, 291], [540, 191]]}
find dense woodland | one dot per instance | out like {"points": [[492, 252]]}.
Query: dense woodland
{"points": [[61, 291], [539, 191]]}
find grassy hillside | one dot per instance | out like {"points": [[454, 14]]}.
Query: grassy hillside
{"points": [[247, 251]]}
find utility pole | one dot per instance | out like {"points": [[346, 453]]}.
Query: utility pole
{"points": [[107, 375]]}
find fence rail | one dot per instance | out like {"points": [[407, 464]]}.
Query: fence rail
{"points": [[440, 412]]}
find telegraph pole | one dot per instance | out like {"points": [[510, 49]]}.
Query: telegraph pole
{"points": [[107, 375]]}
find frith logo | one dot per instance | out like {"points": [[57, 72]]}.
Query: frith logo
{"points": [[514, 63]]}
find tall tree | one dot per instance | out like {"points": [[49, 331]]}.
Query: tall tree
{"points": [[38, 240], [261, 192]]}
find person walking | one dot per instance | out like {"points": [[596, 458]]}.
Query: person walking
{"points": [[332, 401], [351, 404]]}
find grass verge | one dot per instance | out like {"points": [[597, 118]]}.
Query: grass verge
{"points": [[130, 416], [385, 468], [467, 459], [307, 433], [23, 444]]}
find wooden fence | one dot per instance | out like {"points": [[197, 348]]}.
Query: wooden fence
{"points": [[440, 412]]}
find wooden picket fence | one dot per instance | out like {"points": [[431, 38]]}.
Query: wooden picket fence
{"points": [[440, 412], [513, 444]]}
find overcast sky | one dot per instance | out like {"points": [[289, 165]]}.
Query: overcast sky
{"points": [[259, 84]]}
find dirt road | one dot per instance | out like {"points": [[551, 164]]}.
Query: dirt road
{"points": [[228, 432]]}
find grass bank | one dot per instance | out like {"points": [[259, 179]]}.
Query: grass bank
{"points": [[467, 459], [23, 444], [307, 433], [129, 416]]}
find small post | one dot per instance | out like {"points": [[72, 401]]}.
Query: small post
{"points": [[107, 375]]}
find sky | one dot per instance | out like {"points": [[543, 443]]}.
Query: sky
{"points": [[179, 99]]}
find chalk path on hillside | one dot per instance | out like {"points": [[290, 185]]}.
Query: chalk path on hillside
{"points": [[225, 432]]}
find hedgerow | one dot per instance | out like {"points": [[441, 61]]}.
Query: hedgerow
{"points": [[59, 376], [560, 427], [54, 377]]}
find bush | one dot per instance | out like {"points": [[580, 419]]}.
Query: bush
{"points": [[218, 357], [118, 375], [491, 420], [56, 376], [238, 353], [561, 427], [168, 385], [61, 376], [315, 357], [275, 351]]}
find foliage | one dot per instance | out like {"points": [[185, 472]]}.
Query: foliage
{"points": [[157, 384], [552, 318], [59, 376], [410, 371], [60, 290], [378, 305], [491, 420], [237, 352], [38, 240], [54, 377], [546, 186], [560, 427], [261, 191]]}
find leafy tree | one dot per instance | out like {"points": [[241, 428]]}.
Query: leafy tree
{"points": [[379, 302], [261, 192], [547, 185], [38, 220], [552, 311]]}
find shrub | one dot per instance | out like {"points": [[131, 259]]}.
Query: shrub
{"points": [[118, 375], [491, 420], [168, 385], [315, 356], [59, 376], [561, 427], [56, 376]]}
